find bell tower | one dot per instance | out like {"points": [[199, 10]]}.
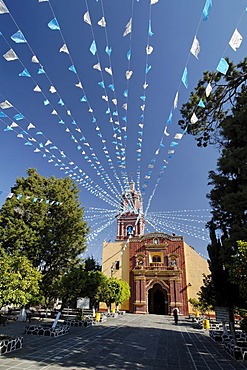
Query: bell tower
{"points": [[130, 219]]}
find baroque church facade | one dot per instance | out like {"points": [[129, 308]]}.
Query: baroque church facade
{"points": [[161, 269]]}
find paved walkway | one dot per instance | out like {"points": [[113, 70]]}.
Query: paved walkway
{"points": [[149, 342]]}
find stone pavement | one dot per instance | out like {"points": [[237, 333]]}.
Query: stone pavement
{"points": [[149, 342]]}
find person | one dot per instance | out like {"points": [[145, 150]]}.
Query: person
{"points": [[175, 314]]}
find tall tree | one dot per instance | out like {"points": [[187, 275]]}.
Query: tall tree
{"points": [[44, 221], [220, 118]]}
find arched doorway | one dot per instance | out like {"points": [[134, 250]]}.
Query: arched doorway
{"points": [[157, 300]]}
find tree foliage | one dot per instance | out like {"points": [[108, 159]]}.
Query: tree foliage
{"points": [[223, 122], [43, 220], [19, 280], [225, 89], [238, 268]]}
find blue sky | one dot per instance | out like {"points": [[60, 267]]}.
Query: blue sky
{"points": [[84, 140]]}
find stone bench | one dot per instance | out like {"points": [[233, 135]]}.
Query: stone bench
{"points": [[10, 343]]}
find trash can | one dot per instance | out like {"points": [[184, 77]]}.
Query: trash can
{"points": [[97, 316], [206, 324]]}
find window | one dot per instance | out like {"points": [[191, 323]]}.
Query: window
{"points": [[156, 241], [129, 230], [156, 259]]}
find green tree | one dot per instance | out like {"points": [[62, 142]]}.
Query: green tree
{"points": [[19, 280], [124, 292], [223, 121], [238, 268], [91, 264], [211, 110], [43, 220]]}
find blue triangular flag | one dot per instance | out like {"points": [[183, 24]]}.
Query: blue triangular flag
{"points": [[185, 77], [129, 55], [169, 121], [61, 102], [40, 71], [201, 104], [93, 48], [83, 99], [101, 83], [46, 102], [206, 10], [150, 29], [108, 50], [24, 73], [125, 93], [72, 68], [111, 86], [2, 114], [53, 24], [223, 66], [148, 67], [8, 128], [62, 122], [18, 37], [18, 117]]}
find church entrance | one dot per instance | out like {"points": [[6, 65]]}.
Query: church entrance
{"points": [[157, 300]]}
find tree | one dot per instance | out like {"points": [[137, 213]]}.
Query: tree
{"points": [[91, 264], [43, 220], [223, 122], [124, 292], [211, 109], [238, 269], [19, 280]]}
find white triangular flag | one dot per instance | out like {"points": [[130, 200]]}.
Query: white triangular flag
{"points": [[105, 97], [79, 85], [102, 22], [178, 136], [20, 136], [165, 131], [208, 89], [52, 89], [143, 107], [35, 59], [128, 74], [6, 104], [10, 55], [97, 66], [48, 142], [3, 8], [36, 150], [145, 85], [195, 48], [125, 106], [108, 70], [114, 101], [87, 19], [64, 49], [54, 111], [194, 118], [128, 27], [90, 110], [175, 103], [37, 89], [153, 2], [68, 113], [13, 124], [236, 40], [149, 49], [30, 126]]}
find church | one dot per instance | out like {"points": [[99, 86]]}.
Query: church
{"points": [[162, 270]]}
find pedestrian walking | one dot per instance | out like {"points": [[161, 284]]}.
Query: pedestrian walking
{"points": [[175, 314]]}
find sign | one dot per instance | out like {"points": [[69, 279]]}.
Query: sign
{"points": [[83, 303], [222, 314]]}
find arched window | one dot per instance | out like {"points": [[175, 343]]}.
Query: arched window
{"points": [[156, 241], [129, 230], [156, 259]]}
